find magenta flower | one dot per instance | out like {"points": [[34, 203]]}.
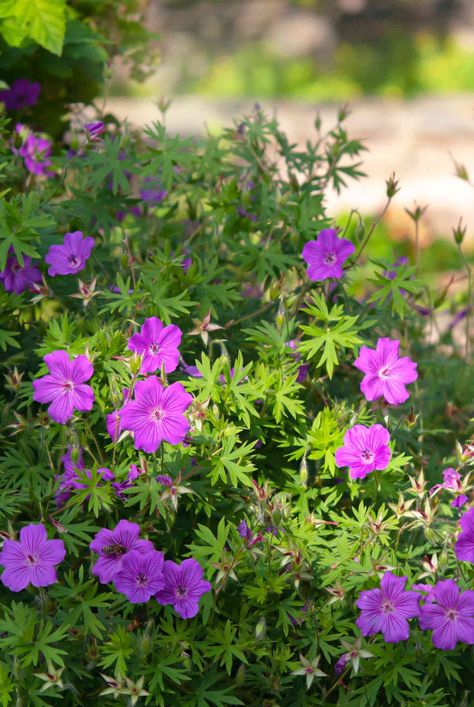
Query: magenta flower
{"points": [[152, 192], [459, 501], [386, 373], [158, 345], [32, 559], [326, 255], [65, 386], [70, 257], [112, 546], [113, 425], [21, 94], [18, 278], [450, 615], [183, 587], [156, 414], [365, 449], [387, 610], [35, 150], [141, 575], [464, 547], [94, 130]]}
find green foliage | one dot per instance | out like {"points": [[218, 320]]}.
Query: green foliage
{"points": [[267, 356]]}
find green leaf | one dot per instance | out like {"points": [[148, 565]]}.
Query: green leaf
{"points": [[336, 334], [44, 21]]}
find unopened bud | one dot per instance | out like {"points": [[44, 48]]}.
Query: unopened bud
{"points": [[459, 232], [261, 629], [392, 186]]}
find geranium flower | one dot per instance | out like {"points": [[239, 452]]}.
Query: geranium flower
{"points": [[183, 587], [94, 130], [326, 255], [450, 614], [112, 546], [141, 575], [21, 94], [32, 559], [365, 449], [459, 501], [17, 278], [65, 386], [386, 373], [387, 610], [35, 151], [156, 414], [70, 257], [464, 547], [158, 345]]}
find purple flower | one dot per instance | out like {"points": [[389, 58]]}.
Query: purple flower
{"points": [[158, 345], [112, 546], [94, 130], [459, 501], [191, 370], [451, 479], [153, 193], [65, 386], [165, 480], [365, 449], [156, 414], [141, 575], [464, 547], [387, 610], [326, 255], [244, 531], [113, 425], [341, 663], [70, 257], [186, 264], [21, 94], [32, 559], [183, 588], [450, 615], [17, 278], [386, 373], [71, 465], [35, 151]]}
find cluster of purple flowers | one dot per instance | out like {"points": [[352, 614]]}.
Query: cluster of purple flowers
{"points": [[74, 469], [446, 611], [156, 413], [136, 568], [141, 572]]}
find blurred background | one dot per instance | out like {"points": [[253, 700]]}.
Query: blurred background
{"points": [[406, 68]]}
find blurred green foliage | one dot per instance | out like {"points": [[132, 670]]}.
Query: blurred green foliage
{"points": [[396, 65]]}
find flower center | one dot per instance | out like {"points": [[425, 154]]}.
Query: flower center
{"points": [[157, 414], [73, 260], [330, 259], [68, 386], [31, 560], [142, 579], [367, 456], [385, 373], [154, 349], [181, 591], [451, 614], [387, 607]]}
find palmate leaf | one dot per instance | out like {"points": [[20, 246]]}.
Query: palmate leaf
{"points": [[44, 21], [30, 638], [397, 288], [207, 693], [333, 336]]}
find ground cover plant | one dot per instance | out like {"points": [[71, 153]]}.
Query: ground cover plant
{"points": [[233, 471]]}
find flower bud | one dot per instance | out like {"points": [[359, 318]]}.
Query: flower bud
{"points": [[392, 186], [459, 232]]}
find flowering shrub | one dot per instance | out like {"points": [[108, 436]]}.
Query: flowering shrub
{"points": [[235, 469]]}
